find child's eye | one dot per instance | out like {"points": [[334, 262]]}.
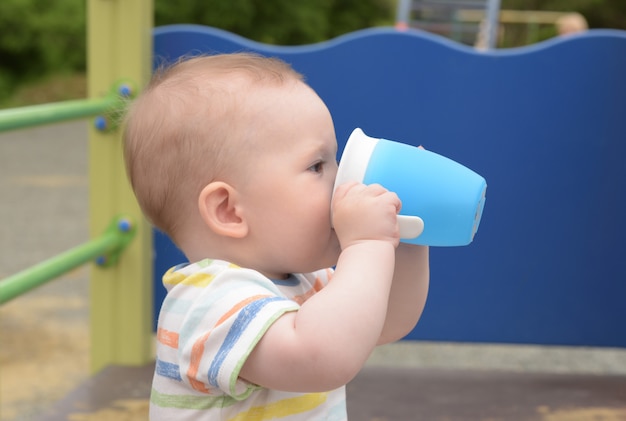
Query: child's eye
{"points": [[317, 167]]}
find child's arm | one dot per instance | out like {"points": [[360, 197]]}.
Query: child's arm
{"points": [[325, 343], [408, 292]]}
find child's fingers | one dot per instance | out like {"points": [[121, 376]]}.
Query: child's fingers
{"points": [[373, 190], [344, 188]]}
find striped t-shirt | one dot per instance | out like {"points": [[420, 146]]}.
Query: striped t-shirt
{"points": [[213, 316]]}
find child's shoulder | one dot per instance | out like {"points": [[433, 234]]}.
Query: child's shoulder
{"points": [[202, 272]]}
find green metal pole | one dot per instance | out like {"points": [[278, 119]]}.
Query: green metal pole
{"points": [[35, 115], [106, 248], [119, 48]]}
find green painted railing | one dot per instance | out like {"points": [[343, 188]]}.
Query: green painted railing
{"points": [[104, 249], [36, 115]]}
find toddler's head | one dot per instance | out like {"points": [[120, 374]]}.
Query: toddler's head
{"points": [[234, 157], [192, 125]]}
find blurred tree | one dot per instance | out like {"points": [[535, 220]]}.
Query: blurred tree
{"points": [[285, 22], [38, 37]]}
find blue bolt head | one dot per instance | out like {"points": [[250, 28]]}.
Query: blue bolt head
{"points": [[124, 225], [125, 90], [100, 123], [101, 260]]}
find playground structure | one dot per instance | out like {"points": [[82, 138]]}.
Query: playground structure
{"points": [[119, 63], [552, 156]]}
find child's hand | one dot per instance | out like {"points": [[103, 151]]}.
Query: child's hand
{"points": [[364, 213]]}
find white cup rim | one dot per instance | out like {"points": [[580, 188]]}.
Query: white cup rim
{"points": [[355, 158]]}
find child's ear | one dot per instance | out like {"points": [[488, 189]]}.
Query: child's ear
{"points": [[220, 209]]}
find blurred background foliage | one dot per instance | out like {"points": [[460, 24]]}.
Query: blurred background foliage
{"points": [[42, 42], [285, 22]]}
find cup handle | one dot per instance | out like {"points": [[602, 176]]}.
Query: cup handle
{"points": [[410, 226]]}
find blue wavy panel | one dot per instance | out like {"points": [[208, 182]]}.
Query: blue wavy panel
{"points": [[545, 125]]}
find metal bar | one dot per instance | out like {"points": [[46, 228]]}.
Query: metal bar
{"points": [[36, 115], [107, 246], [492, 22], [403, 14], [511, 16]]}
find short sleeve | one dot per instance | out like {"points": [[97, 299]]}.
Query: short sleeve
{"points": [[221, 327]]}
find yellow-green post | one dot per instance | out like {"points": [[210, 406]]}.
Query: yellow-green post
{"points": [[119, 47]]}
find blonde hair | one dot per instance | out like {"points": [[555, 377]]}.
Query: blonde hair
{"points": [[186, 130]]}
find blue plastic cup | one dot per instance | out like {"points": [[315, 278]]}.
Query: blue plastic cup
{"points": [[442, 201]]}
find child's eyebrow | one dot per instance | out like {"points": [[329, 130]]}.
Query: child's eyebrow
{"points": [[320, 147]]}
